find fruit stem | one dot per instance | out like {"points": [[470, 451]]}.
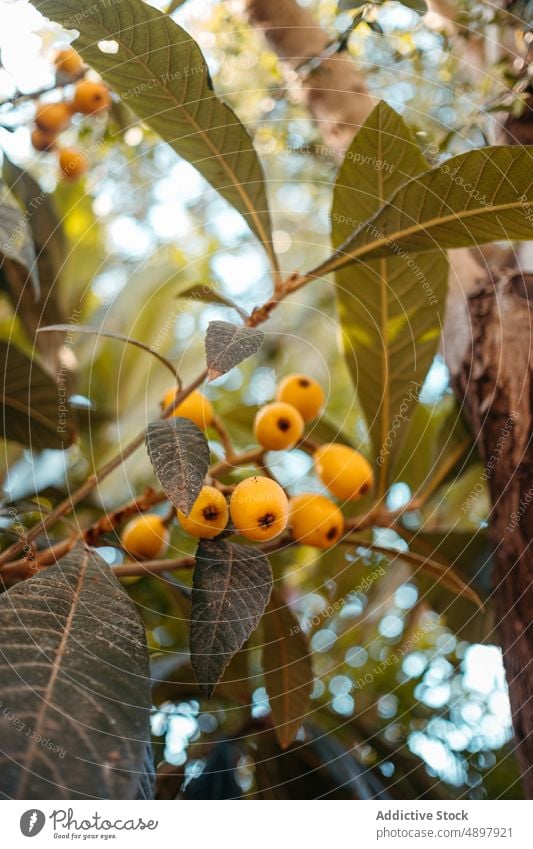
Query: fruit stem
{"points": [[152, 567]]}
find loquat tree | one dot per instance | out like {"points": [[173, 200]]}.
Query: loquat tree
{"points": [[289, 547]]}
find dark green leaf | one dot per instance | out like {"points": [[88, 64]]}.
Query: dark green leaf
{"points": [[471, 199], [180, 456], [231, 589], [51, 253], [391, 309], [287, 669], [205, 293], [160, 72], [35, 411], [110, 334], [435, 569], [16, 242], [75, 685], [227, 345]]}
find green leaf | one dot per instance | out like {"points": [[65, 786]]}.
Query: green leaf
{"points": [[231, 588], [35, 411], [437, 570], [75, 685], [110, 334], [160, 72], [287, 669], [50, 247], [207, 294], [227, 345], [16, 242], [179, 454], [471, 199], [391, 309], [173, 5]]}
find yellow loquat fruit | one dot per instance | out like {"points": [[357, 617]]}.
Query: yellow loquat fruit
{"points": [[259, 508]]}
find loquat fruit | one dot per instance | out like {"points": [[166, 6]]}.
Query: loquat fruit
{"points": [[90, 98], [52, 117], [72, 163], [278, 426], [41, 140], [304, 393], [69, 62], [195, 407], [315, 520], [209, 515], [259, 508], [146, 537], [345, 472]]}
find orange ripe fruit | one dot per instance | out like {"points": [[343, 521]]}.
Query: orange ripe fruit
{"points": [[209, 514], [304, 393], [345, 472], [52, 117], [68, 61], [145, 537], [195, 407], [259, 508], [315, 520], [42, 140], [72, 163], [90, 98], [278, 426]]}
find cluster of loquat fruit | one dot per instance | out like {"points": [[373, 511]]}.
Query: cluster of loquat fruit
{"points": [[51, 119], [258, 506]]}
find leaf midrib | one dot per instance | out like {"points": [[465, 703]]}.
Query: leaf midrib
{"points": [[343, 257], [56, 668], [284, 670], [217, 153]]}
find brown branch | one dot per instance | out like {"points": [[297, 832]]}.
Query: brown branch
{"points": [[335, 91]]}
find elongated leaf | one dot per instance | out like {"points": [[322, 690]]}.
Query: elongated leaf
{"points": [[160, 72], [109, 334], [180, 456], [207, 294], [35, 411], [231, 588], [440, 572], [50, 249], [16, 242], [287, 669], [75, 685], [391, 309], [227, 345], [471, 199]]}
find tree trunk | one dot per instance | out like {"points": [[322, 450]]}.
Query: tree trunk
{"points": [[496, 383], [335, 90]]}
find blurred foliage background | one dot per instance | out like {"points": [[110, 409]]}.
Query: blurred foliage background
{"points": [[406, 699]]}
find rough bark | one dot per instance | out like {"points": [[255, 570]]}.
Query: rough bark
{"points": [[335, 90], [495, 382]]}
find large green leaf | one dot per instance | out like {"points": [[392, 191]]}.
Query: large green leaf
{"points": [[391, 309], [160, 72], [16, 244], [75, 686], [471, 199], [287, 669], [50, 248], [34, 411]]}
